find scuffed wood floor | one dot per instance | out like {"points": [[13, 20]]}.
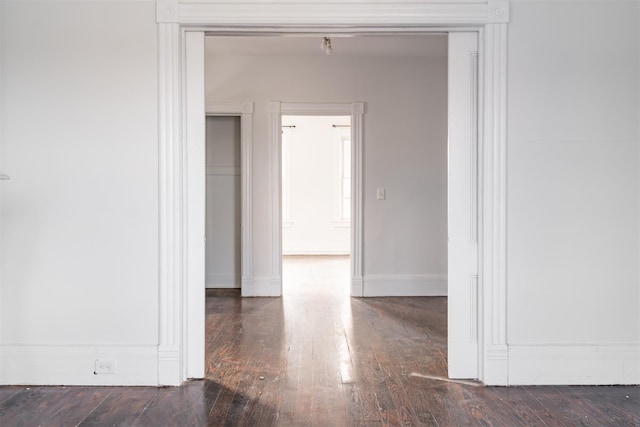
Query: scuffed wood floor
{"points": [[319, 358]]}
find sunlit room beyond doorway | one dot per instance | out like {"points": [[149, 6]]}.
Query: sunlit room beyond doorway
{"points": [[315, 275], [316, 205]]}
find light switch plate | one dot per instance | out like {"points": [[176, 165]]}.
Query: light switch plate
{"points": [[380, 194]]}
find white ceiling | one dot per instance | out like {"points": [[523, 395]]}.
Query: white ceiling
{"points": [[427, 45]]}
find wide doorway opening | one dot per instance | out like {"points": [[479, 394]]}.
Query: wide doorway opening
{"points": [[405, 93], [316, 205], [223, 209]]}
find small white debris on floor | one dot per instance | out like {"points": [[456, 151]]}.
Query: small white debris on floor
{"points": [[433, 377]]}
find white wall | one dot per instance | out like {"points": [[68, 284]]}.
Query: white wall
{"points": [[222, 256], [405, 150], [79, 236], [573, 192], [313, 171]]}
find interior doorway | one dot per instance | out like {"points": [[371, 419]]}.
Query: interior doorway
{"points": [[275, 125], [223, 208], [343, 114], [316, 204]]}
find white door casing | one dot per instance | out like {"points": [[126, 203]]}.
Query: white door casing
{"points": [[462, 187], [195, 191], [178, 18], [244, 110]]}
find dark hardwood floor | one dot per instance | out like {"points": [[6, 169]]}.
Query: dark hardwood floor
{"points": [[319, 358]]}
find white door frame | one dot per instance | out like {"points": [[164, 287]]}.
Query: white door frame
{"points": [[462, 206], [177, 18], [244, 110], [356, 111]]}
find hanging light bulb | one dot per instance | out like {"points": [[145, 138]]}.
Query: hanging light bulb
{"points": [[326, 46]]}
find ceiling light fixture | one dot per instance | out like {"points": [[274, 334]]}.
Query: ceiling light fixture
{"points": [[4, 176], [326, 46]]}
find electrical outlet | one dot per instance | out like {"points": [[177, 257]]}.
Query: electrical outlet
{"points": [[104, 366]]}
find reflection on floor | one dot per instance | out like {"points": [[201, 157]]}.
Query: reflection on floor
{"points": [[311, 276], [322, 358], [317, 357]]}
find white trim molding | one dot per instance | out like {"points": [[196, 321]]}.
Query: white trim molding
{"points": [[403, 285], [462, 206], [488, 18], [357, 207], [195, 211], [228, 108], [349, 13], [578, 364], [171, 353], [493, 232]]}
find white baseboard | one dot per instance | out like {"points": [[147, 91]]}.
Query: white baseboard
{"points": [[222, 281], [357, 286], [262, 287], [584, 364], [462, 359], [496, 364], [423, 285], [169, 368], [75, 364]]}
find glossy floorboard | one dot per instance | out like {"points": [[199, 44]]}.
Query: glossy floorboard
{"points": [[319, 358]]}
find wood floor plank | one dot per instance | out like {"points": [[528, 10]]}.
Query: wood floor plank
{"points": [[53, 405], [589, 406], [510, 404], [121, 407], [9, 391], [180, 406]]}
